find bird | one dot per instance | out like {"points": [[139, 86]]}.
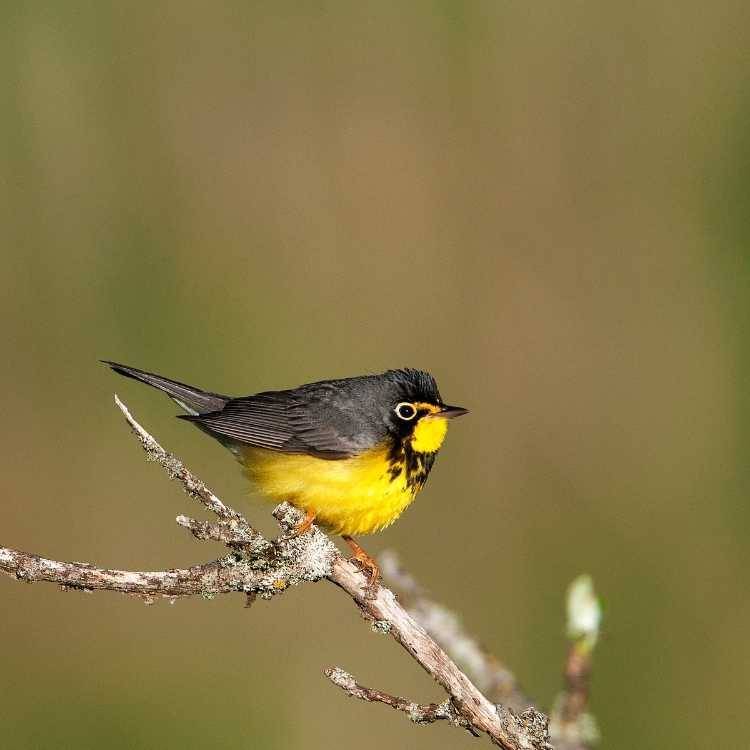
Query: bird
{"points": [[350, 453]]}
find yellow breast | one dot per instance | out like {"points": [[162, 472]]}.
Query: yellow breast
{"points": [[358, 495]]}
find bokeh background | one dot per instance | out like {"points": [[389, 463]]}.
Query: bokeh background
{"points": [[544, 204]]}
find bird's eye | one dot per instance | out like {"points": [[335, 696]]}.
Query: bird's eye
{"points": [[406, 411]]}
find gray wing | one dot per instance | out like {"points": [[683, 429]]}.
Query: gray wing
{"points": [[319, 421]]}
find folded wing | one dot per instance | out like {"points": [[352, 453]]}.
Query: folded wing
{"points": [[290, 422]]}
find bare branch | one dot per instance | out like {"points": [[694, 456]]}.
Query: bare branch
{"points": [[216, 577], [194, 487], [513, 732], [573, 727], [577, 675], [260, 567], [490, 676], [418, 713], [229, 574]]}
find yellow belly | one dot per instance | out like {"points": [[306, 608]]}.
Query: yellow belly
{"points": [[358, 495]]}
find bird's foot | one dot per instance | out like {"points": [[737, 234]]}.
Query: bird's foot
{"points": [[303, 526], [367, 565]]}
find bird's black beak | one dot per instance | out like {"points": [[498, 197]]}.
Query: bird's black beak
{"points": [[449, 412]]}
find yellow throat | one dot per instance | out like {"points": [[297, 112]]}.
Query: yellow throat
{"points": [[429, 434]]}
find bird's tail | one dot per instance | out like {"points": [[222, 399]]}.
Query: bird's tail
{"points": [[191, 399]]}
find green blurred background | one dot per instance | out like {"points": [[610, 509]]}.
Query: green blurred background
{"points": [[546, 205]]}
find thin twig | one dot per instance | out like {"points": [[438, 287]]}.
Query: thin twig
{"points": [[504, 727], [217, 577], [231, 533], [574, 728], [492, 677], [570, 724], [418, 713], [194, 487], [577, 676]]}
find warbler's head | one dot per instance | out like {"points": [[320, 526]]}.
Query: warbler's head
{"points": [[415, 412]]}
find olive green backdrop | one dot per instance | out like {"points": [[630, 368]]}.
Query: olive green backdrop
{"points": [[546, 205]]}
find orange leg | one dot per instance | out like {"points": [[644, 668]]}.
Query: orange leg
{"points": [[304, 525], [364, 562]]}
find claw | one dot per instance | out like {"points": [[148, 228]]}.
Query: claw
{"points": [[304, 525], [366, 564]]}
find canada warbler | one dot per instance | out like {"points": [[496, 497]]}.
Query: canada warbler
{"points": [[351, 453]]}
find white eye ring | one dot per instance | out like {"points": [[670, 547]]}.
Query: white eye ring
{"points": [[405, 411]]}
